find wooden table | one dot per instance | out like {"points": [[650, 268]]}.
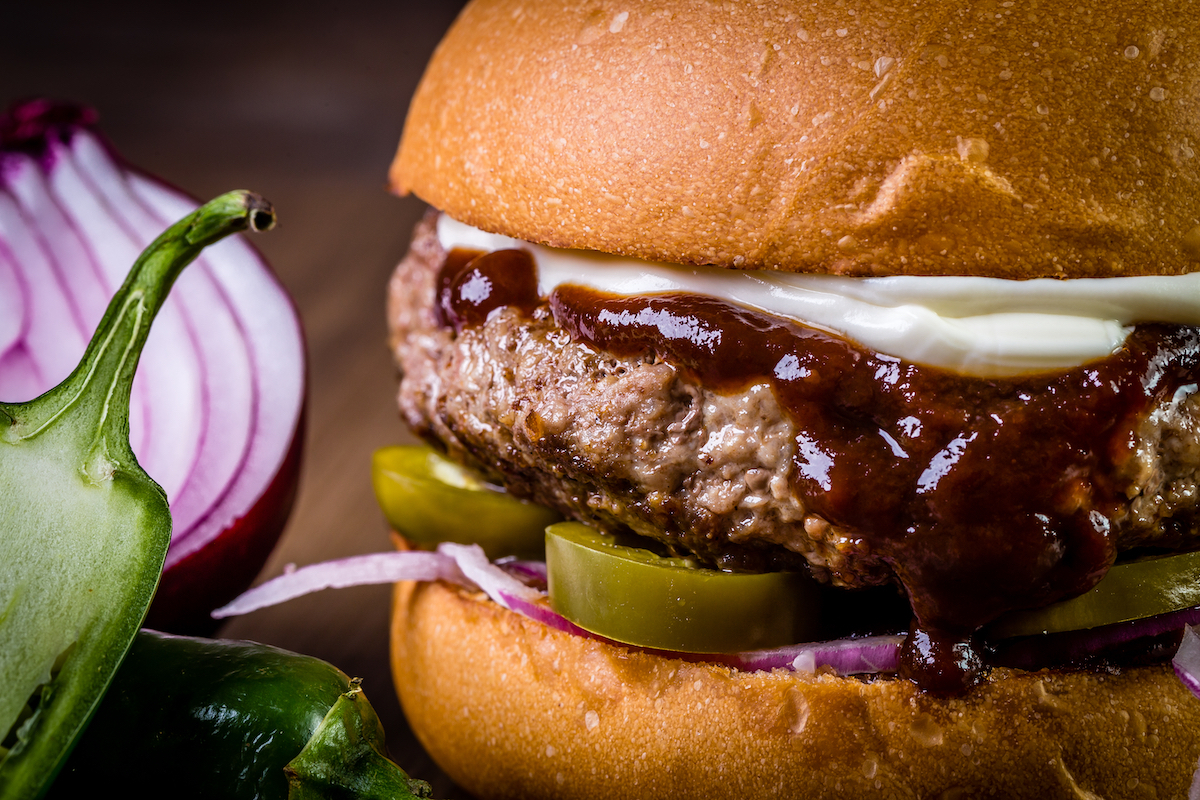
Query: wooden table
{"points": [[304, 104]]}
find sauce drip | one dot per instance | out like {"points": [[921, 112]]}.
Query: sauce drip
{"points": [[941, 663], [983, 495], [472, 284]]}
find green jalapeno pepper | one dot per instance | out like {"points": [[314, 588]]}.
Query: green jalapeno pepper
{"points": [[83, 530], [203, 718], [632, 595], [1130, 591], [429, 499]]}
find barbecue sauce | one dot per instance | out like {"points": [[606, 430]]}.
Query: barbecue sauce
{"points": [[983, 494], [472, 284]]}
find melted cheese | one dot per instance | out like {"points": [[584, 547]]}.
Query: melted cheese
{"points": [[976, 326]]}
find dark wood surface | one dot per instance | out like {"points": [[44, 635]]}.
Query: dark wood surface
{"points": [[304, 103]]}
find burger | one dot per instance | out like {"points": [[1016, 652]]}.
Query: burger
{"points": [[896, 300]]}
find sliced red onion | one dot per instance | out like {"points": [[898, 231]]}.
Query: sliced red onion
{"points": [[852, 656], [532, 573], [503, 583], [169, 376], [1068, 647], [865, 655], [857, 656], [464, 565], [1187, 668], [217, 404], [499, 585], [1187, 660], [540, 612], [373, 568]]}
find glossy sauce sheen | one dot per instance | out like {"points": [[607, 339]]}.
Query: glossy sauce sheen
{"points": [[984, 495], [472, 284]]}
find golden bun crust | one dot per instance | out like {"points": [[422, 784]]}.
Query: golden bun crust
{"points": [[869, 139], [512, 709]]}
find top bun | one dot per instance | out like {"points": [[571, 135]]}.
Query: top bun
{"points": [[860, 139]]}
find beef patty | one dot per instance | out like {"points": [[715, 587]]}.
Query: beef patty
{"points": [[634, 443]]}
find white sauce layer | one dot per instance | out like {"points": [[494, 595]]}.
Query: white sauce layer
{"points": [[976, 326]]}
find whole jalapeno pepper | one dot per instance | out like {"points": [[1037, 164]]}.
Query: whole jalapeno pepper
{"points": [[203, 718]]}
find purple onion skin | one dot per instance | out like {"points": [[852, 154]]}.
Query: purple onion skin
{"points": [[226, 566], [29, 126], [1141, 641], [1186, 662], [1146, 641]]}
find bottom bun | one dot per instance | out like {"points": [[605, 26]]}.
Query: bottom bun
{"points": [[511, 708]]}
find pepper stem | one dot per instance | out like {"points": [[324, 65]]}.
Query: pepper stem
{"points": [[345, 758]]}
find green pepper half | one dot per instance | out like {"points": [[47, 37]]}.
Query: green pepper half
{"points": [[83, 529], [429, 499], [632, 595], [1134, 590]]}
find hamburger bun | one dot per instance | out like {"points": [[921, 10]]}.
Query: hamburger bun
{"points": [[512, 709], [992, 140]]}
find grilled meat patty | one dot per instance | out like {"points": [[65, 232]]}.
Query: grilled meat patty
{"points": [[637, 444]]}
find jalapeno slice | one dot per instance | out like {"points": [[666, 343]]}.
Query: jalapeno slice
{"points": [[632, 595], [1130, 591], [429, 499]]}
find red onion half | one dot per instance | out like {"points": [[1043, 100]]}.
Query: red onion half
{"points": [[217, 406]]}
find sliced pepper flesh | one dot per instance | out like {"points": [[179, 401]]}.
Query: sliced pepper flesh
{"points": [[83, 530], [1129, 591], [428, 499], [633, 595]]}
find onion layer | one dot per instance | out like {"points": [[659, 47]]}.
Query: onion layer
{"points": [[1187, 660], [515, 585]]}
